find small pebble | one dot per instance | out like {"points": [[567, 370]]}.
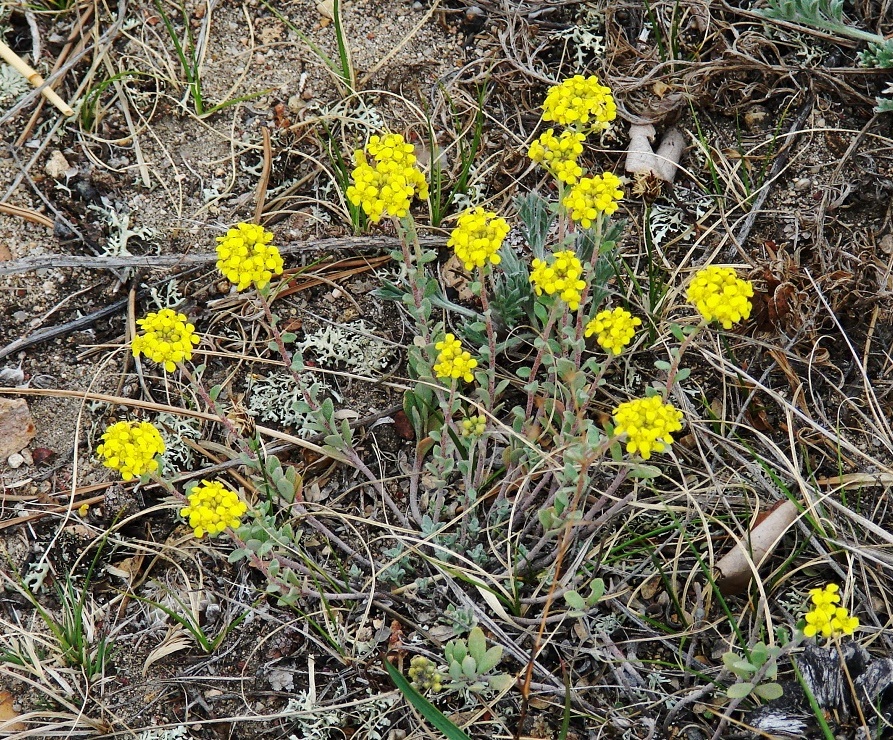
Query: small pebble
{"points": [[417, 6], [26, 455], [15, 460], [802, 183]]}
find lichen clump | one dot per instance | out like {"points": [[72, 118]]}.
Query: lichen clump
{"points": [[131, 448]]}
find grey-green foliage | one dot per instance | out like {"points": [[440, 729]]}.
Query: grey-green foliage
{"points": [[753, 672], [537, 215], [581, 603], [827, 15], [469, 664]]}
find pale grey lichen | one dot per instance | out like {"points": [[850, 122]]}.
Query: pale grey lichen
{"points": [[275, 398], [351, 346], [12, 85], [160, 733], [175, 430]]}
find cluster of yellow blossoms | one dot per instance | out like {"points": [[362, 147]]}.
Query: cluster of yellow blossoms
{"points": [[167, 340], [719, 294], [452, 361], [389, 184], [212, 508], [591, 197], [559, 154], [477, 237], [648, 424], [826, 618], [424, 674], [613, 329], [582, 102], [474, 426], [245, 256], [561, 276], [131, 448]]}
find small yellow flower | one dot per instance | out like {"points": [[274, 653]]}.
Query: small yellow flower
{"points": [[648, 424], [388, 185], [245, 256], [474, 426], [424, 675], [452, 361], [559, 154], [580, 102], [83, 509], [131, 447], [718, 294], [825, 618], [477, 237], [613, 329], [593, 196], [561, 276], [212, 508], [167, 340]]}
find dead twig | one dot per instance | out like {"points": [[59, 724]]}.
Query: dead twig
{"points": [[32, 75]]}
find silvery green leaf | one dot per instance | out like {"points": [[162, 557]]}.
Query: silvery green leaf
{"points": [[477, 644], [575, 601], [739, 690], [469, 666], [769, 691]]}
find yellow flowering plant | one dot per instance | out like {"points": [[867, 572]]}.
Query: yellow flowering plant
{"points": [[477, 237], [827, 618], [167, 338], [246, 257], [132, 448], [212, 508], [613, 329], [720, 295]]}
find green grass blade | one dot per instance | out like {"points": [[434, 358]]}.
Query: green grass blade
{"points": [[425, 707]]}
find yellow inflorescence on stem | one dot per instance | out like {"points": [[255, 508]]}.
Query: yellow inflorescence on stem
{"points": [[424, 674], [826, 618], [719, 294], [559, 154], [613, 329], [167, 339], [561, 276], [477, 237], [474, 426], [580, 101], [592, 196], [648, 423], [212, 508], [245, 256], [452, 361], [130, 447], [388, 185]]}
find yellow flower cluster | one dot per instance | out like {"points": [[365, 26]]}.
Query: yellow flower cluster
{"points": [[719, 294], [474, 426], [613, 329], [477, 237], [559, 154], [648, 424], [167, 340], [592, 196], [826, 618], [561, 276], [580, 101], [130, 447], [245, 256], [453, 361], [424, 674], [212, 508], [389, 185]]}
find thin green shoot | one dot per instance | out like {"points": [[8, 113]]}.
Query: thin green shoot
{"points": [[343, 75], [705, 147], [439, 204], [813, 703]]}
